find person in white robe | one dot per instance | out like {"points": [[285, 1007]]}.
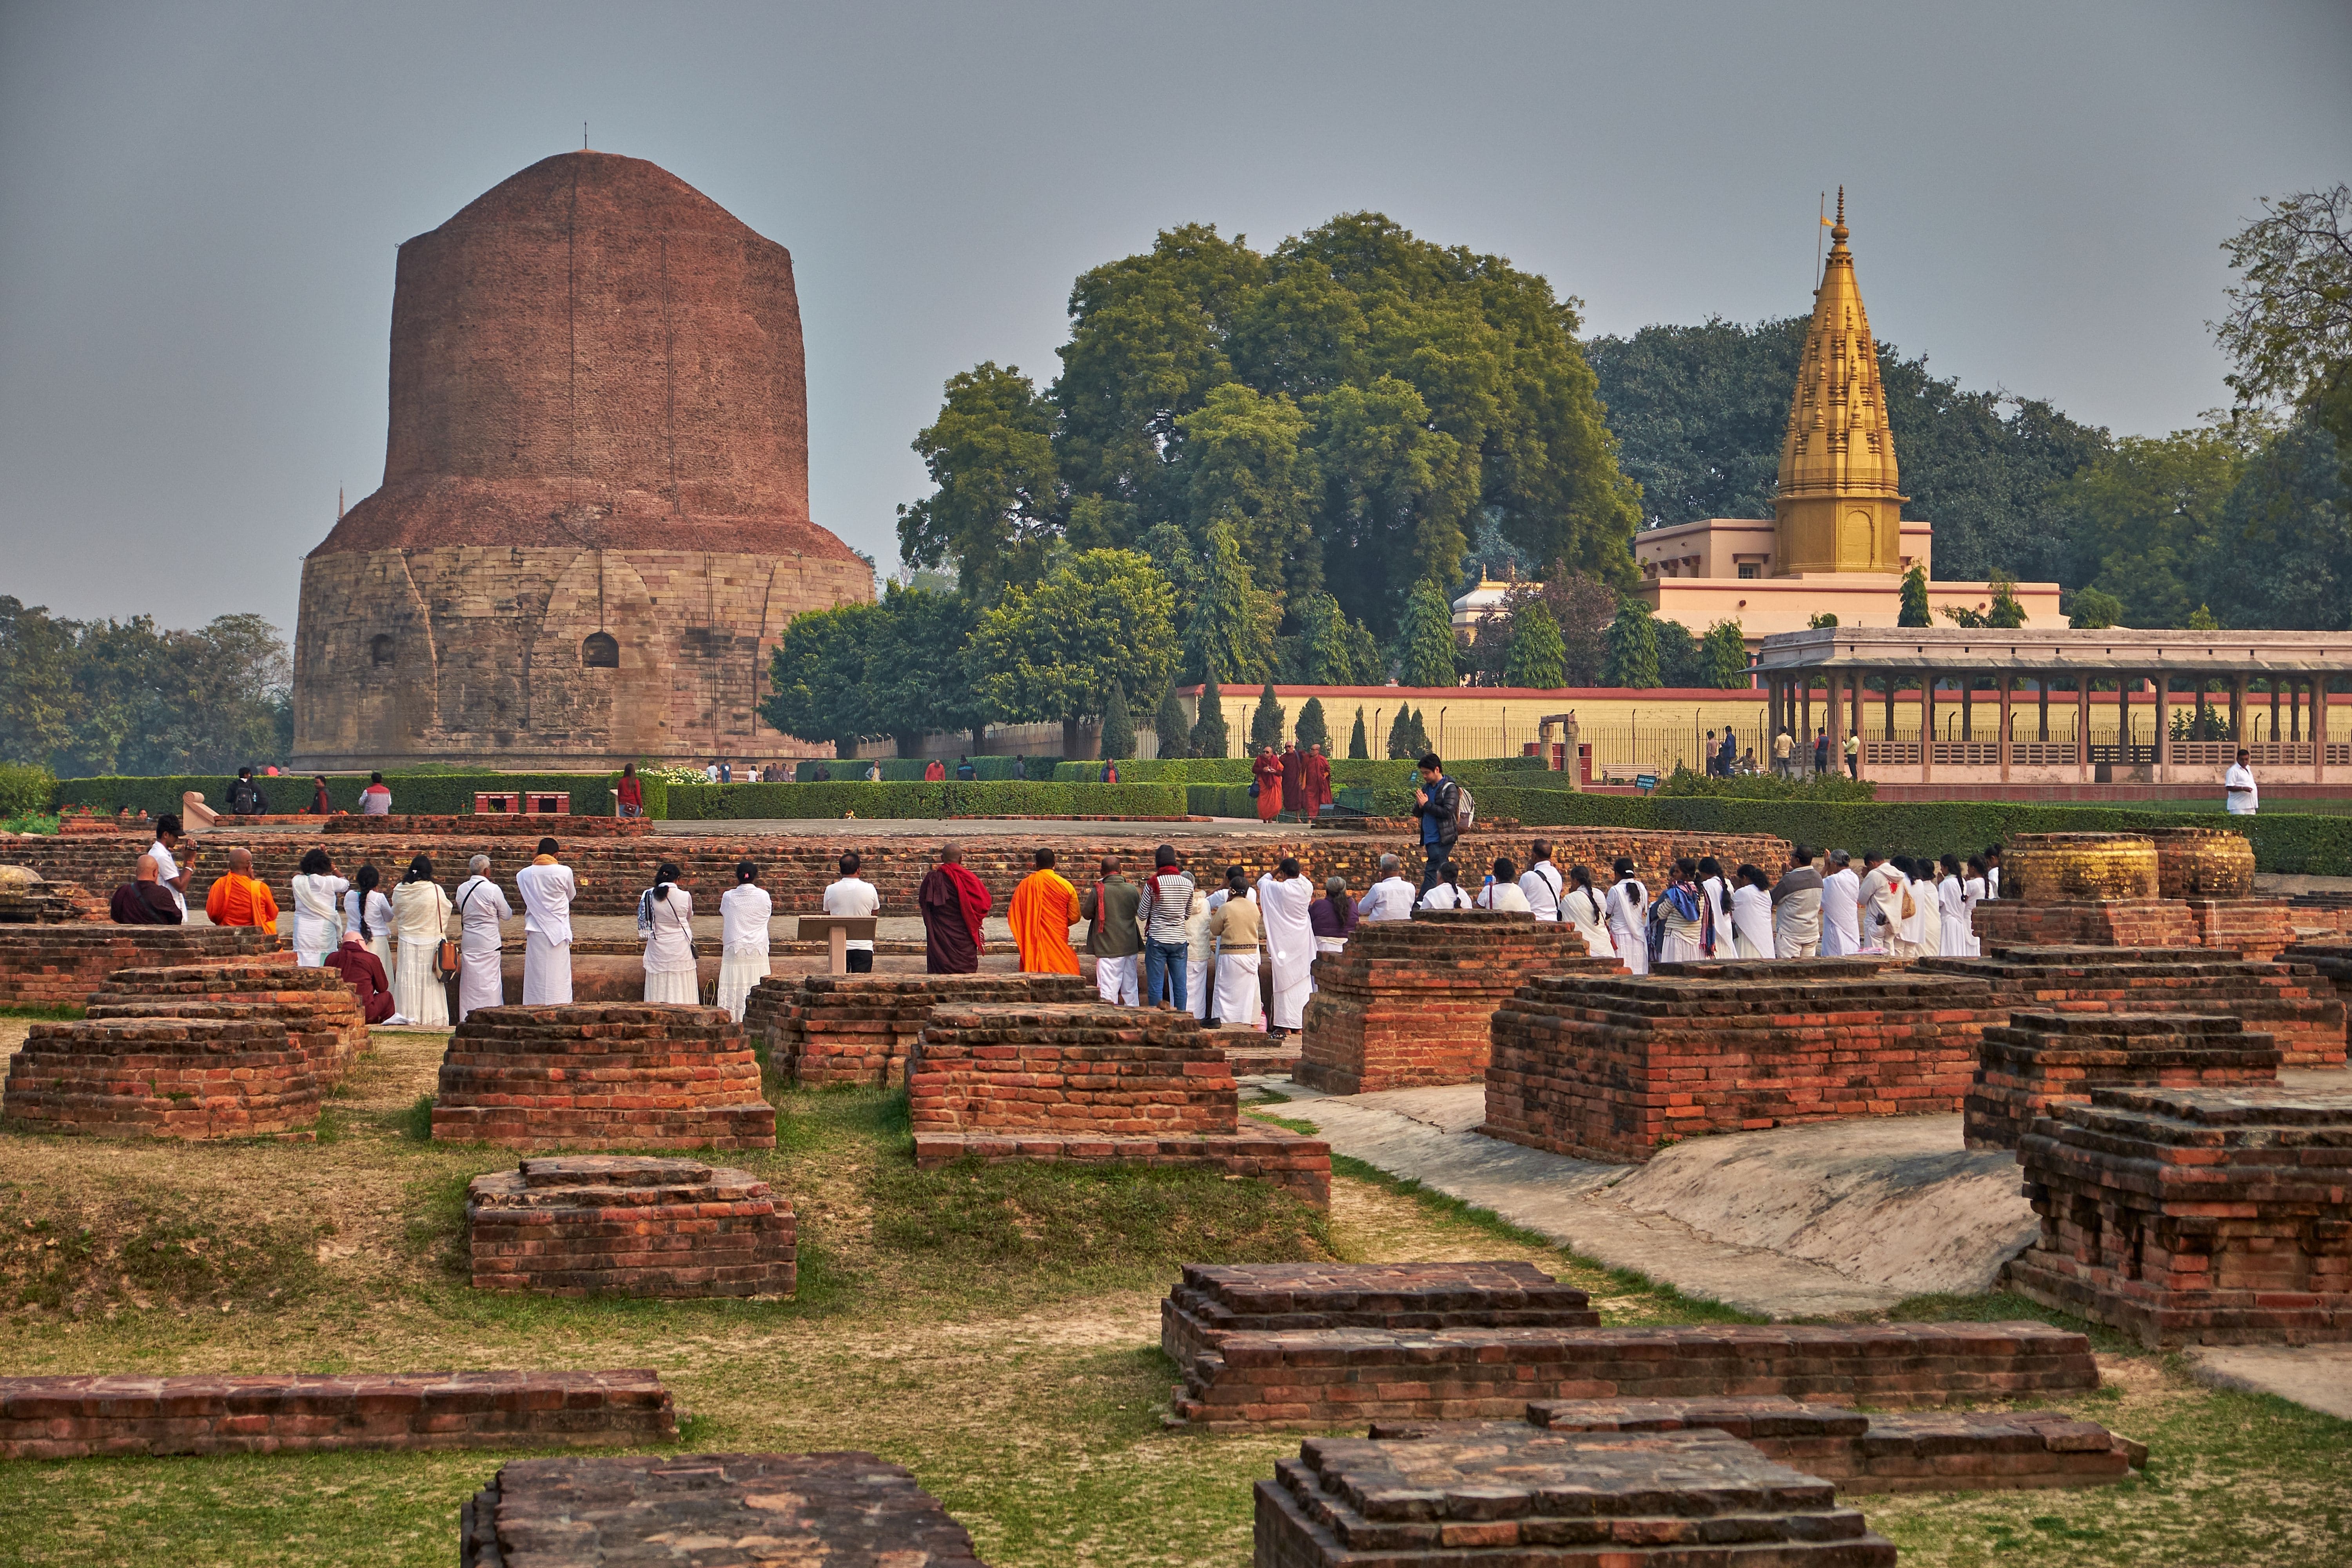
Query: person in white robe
{"points": [[1751, 914], [1715, 888], [1283, 897], [1882, 905], [1200, 952], [481, 905], [1841, 908], [743, 912], [1628, 919], [548, 887], [420, 922], [666, 921], [1585, 910], [1446, 893], [369, 913], [1797, 906], [317, 927], [1504, 891], [1974, 891], [1684, 914], [1390, 899], [1542, 883], [1235, 928], [1952, 905]]}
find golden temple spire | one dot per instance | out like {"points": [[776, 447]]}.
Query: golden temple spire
{"points": [[1840, 505]]}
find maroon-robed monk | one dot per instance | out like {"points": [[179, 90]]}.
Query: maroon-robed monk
{"points": [[1293, 778], [954, 904], [363, 972]]}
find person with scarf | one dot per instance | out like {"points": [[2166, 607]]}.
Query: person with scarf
{"points": [[480, 905], [318, 924], [1584, 909], [954, 905], [1503, 890], [238, 899], [1797, 908], [1316, 780], [1165, 905], [1682, 924], [1043, 909], [369, 913], [1114, 939], [1715, 888], [1266, 773], [420, 920], [1283, 896], [665, 923], [1881, 904], [548, 887], [1199, 956], [743, 913], [144, 901], [1629, 918], [1332, 917], [1235, 928]]}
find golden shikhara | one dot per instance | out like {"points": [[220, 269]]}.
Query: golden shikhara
{"points": [[1839, 504]]}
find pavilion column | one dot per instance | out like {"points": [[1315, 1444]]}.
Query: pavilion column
{"points": [[2318, 729], [2272, 681], [2083, 727], [2294, 710], [1840, 692], [2006, 681], [1926, 725], [2163, 736], [2041, 695], [1805, 718], [1891, 679], [1968, 715], [2124, 683], [2238, 710]]}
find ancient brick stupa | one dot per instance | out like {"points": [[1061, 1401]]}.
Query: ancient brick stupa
{"points": [[595, 518]]}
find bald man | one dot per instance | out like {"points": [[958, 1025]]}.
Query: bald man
{"points": [[239, 899], [954, 904], [145, 902]]}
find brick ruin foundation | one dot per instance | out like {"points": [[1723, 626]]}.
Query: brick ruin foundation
{"points": [[316, 1005], [1408, 1003], [1616, 1067], [1092, 1083], [2195, 1215], [28, 899], [62, 965], [616, 1076], [164, 1078], [2040, 1060], [1214, 1300], [821, 1029], [580, 1224], [723, 1511], [2330, 961], [78, 1417]]}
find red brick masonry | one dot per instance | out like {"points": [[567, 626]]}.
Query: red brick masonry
{"points": [[829, 1028], [2038, 1060], [61, 966], [1408, 1002], [616, 1076], [1509, 1495], [613, 1223], [164, 1078], [1320, 1378], [1214, 1300], [317, 1007], [2256, 928], [503, 825], [75, 1417], [1614, 1068], [2195, 1215], [1096, 1084], [710, 1510]]}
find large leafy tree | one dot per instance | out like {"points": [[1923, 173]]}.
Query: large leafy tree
{"points": [[1249, 471], [816, 683], [2148, 515], [1632, 647], [2284, 554], [998, 503], [1053, 652], [914, 678], [1229, 626], [1334, 651], [1536, 654], [1723, 657], [2290, 324]]}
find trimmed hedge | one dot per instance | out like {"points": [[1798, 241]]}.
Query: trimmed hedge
{"points": [[743, 802], [909, 770], [430, 794]]}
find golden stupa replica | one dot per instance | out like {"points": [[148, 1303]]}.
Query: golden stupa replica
{"points": [[1837, 543]]}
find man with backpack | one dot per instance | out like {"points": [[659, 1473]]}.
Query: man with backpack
{"points": [[1444, 810], [244, 796]]}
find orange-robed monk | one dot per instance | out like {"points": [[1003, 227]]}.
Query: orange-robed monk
{"points": [[1044, 905], [239, 899]]}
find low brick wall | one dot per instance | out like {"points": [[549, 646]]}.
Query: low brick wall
{"points": [[317, 1007], [1339, 1376], [2259, 928], [2114, 923], [2330, 963], [580, 1224], [720, 1510], [2195, 1215], [832, 1028], [1214, 1300], [77, 1418], [1607, 1069], [164, 1078], [1408, 1003], [615, 1076], [2038, 1060], [2287, 1000], [530, 825], [62, 965]]}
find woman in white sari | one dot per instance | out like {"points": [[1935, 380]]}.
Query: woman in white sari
{"points": [[318, 924], [665, 920], [420, 919], [743, 912], [1972, 893], [1952, 901], [1682, 910], [1751, 914], [1583, 909], [369, 913], [1629, 918], [1237, 929], [481, 905]]}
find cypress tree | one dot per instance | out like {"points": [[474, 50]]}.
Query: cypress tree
{"points": [[1169, 724], [1400, 735], [1209, 730], [1266, 722], [1538, 656], [1117, 729], [1723, 654], [1359, 745], [1313, 731], [1425, 641], [1915, 599], [1633, 648], [1418, 741]]}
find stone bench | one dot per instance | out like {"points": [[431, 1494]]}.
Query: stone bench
{"points": [[828, 1028], [1212, 1301], [717, 1510], [62, 965], [166, 1077], [77, 1418], [2038, 1060], [576, 1224], [596, 1076]]}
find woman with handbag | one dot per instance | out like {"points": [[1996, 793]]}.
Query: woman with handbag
{"points": [[665, 920], [420, 923]]}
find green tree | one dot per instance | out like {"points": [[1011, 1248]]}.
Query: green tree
{"points": [[2285, 555], [1914, 611], [1117, 729], [36, 682], [998, 505], [1537, 656], [1054, 651], [816, 677], [1248, 469], [1821, 619], [1425, 640], [1313, 729], [1335, 650], [1418, 739], [1680, 663], [1723, 655], [1231, 623], [1209, 739], [1169, 724], [1266, 722], [2289, 330], [1632, 647], [2094, 610], [1408, 737], [2150, 514], [1359, 745], [2003, 612], [915, 674], [2202, 619]]}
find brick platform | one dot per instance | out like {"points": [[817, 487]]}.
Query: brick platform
{"points": [[1318, 1378], [2330, 961], [859, 1028], [316, 1005], [710, 1510], [583, 1224], [1515, 1496], [1607, 1069], [2195, 1216], [28, 899], [164, 1078], [61, 966], [1092, 1083], [2322, 914], [2287, 1000], [77, 1418], [2038, 1060], [616, 1076], [532, 825], [2113, 923], [1408, 1003], [1214, 1300], [1884, 1451]]}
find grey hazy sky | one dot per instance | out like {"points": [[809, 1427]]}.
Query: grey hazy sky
{"points": [[199, 204]]}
